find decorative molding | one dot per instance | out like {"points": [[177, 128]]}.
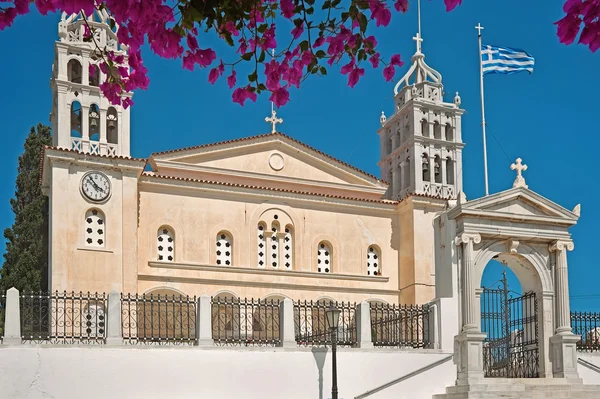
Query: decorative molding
{"points": [[464, 238], [577, 210], [560, 245], [512, 246], [255, 270]]}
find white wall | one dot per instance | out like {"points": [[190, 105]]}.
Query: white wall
{"points": [[588, 374], [192, 372]]}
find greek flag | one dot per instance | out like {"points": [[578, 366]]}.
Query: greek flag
{"points": [[505, 60]]}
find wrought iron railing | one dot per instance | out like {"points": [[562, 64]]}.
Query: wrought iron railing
{"points": [[245, 322], [311, 327], [2, 313], [63, 318], [155, 319], [586, 324], [400, 325]]}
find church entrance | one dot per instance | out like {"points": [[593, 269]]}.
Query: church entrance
{"points": [[510, 320]]}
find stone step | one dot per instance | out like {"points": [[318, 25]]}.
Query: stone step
{"points": [[522, 395], [523, 389]]}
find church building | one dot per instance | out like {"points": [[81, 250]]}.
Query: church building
{"points": [[259, 216]]}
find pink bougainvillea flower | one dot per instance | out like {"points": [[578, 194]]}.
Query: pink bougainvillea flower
{"points": [[568, 27], [389, 72], [380, 13], [401, 5], [451, 4], [215, 73], [298, 31], [396, 61], [287, 8], [241, 94], [231, 79], [280, 96], [374, 60], [355, 75]]}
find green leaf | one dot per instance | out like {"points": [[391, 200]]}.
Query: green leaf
{"points": [[262, 28], [362, 20], [320, 54], [303, 45], [310, 11], [247, 56], [323, 70], [326, 5], [261, 57], [252, 77]]}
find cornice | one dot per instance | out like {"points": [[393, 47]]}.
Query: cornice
{"points": [[256, 270]]}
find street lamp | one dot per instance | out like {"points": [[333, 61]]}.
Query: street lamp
{"points": [[333, 319]]}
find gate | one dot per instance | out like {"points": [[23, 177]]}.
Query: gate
{"points": [[510, 349]]}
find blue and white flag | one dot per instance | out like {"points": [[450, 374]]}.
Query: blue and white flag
{"points": [[505, 60]]}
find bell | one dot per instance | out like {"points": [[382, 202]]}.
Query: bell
{"points": [[94, 120], [425, 165], [436, 168], [112, 123]]}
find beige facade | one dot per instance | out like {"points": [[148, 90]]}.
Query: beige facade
{"points": [[253, 217]]}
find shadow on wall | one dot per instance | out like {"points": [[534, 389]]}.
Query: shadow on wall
{"points": [[320, 354]]}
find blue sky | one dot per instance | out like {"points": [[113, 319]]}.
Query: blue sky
{"points": [[545, 118]]}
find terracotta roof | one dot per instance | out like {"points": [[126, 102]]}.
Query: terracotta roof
{"points": [[243, 139], [48, 147], [282, 190]]}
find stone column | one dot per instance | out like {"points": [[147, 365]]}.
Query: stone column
{"points": [[114, 320], [204, 321], [469, 342], [286, 324], [469, 305], [363, 325], [563, 310], [564, 342], [12, 318]]}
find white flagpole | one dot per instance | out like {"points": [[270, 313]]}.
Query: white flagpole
{"points": [[485, 168]]}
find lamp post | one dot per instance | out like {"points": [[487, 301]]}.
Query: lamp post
{"points": [[333, 319]]}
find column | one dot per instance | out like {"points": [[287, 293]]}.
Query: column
{"points": [[363, 325], [469, 306], [113, 330], [85, 128], [563, 310], [286, 324], [397, 178], [204, 321], [12, 318]]}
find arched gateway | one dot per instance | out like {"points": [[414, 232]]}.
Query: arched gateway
{"points": [[530, 235]]}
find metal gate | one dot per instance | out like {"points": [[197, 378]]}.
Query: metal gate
{"points": [[510, 349]]}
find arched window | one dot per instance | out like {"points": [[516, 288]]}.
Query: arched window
{"points": [[449, 132], [449, 171], [324, 257], [424, 128], [95, 228], [94, 123], [425, 166], [226, 320], [165, 244], [74, 71], [93, 320], [437, 130], [94, 75], [262, 245], [373, 261], [437, 169], [274, 260], [112, 126], [75, 119], [288, 247], [224, 248]]}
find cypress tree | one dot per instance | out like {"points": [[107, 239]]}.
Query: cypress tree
{"points": [[26, 257]]}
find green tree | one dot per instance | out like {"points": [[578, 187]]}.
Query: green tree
{"points": [[26, 257]]}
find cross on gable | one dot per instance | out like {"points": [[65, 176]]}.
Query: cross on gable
{"points": [[520, 168], [273, 120]]}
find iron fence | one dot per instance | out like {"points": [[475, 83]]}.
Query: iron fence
{"points": [[245, 322], [63, 318], [586, 324], [2, 313], [311, 327], [155, 319], [400, 325]]}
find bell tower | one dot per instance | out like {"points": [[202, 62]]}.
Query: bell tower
{"points": [[421, 158], [421, 143], [82, 118]]}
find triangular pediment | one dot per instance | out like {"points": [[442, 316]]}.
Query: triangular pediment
{"points": [[520, 203], [275, 155]]}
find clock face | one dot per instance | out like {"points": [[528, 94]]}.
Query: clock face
{"points": [[95, 186]]}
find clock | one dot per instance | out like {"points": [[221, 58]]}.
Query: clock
{"points": [[95, 186]]}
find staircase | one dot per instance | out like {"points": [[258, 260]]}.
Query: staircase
{"points": [[523, 388]]}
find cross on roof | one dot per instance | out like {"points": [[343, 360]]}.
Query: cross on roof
{"points": [[479, 28], [519, 167], [273, 120], [419, 40]]}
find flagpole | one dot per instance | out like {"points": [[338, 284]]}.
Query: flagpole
{"points": [[485, 168]]}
